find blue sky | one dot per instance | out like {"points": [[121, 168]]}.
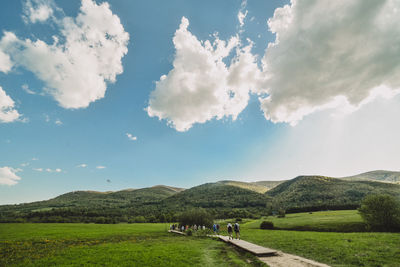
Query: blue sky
{"points": [[92, 112]]}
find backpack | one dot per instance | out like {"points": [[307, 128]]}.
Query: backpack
{"points": [[229, 228], [236, 227]]}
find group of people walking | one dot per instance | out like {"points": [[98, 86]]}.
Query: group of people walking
{"points": [[216, 228], [184, 228], [236, 228]]}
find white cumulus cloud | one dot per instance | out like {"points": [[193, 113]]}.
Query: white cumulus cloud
{"points": [[100, 167], [7, 111], [8, 176], [200, 86], [75, 70], [83, 165], [330, 54]]}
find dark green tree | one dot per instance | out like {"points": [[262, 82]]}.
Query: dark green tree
{"points": [[381, 212], [196, 216]]}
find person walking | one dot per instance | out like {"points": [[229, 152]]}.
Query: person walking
{"points": [[236, 227], [217, 228], [229, 226]]}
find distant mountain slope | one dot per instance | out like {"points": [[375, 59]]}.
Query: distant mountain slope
{"points": [[322, 192], [259, 187], [94, 199], [379, 175], [214, 195], [250, 186], [269, 184]]}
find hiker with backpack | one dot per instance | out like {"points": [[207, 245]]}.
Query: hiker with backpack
{"points": [[229, 226], [237, 230]]}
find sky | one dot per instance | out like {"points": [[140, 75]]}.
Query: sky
{"points": [[109, 95]]}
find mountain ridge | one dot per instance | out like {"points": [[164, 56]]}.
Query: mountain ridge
{"points": [[223, 199]]}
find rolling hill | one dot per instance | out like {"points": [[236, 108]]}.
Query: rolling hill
{"points": [[224, 199], [214, 195], [379, 175], [220, 199], [319, 192], [90, 205], [259, 187], [249, 186]]}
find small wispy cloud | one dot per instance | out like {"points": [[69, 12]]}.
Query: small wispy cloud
{"points": [[83, 165], [24, 164], [100, 167], [58, 170], [241, 17], [34, 159], [26, 88], [242, 14], [131, 137], [48, 119]]}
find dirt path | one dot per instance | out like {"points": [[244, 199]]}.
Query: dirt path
{"points": [[275, 258], [288, 260]]}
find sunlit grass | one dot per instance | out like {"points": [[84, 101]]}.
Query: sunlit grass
{"points": [[111, 245]]}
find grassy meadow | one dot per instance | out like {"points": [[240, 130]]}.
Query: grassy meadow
{"points": [[111, 245], [323, 221], [151, 245]]}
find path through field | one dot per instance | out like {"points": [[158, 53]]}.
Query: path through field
{"points": [[273, 258]]}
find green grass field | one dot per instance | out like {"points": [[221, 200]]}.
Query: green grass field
{"points": [[333, 248], [323, 221], [151, 245], [111, 245]]}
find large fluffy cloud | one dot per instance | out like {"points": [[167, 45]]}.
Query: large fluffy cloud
{"points": [[338, 54], [330, 52], [8, 176], [82, 59], [200, 86], [7, 111]]}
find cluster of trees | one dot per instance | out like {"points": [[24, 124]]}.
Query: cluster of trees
{"points": [[196, 217], [381, 212], [121, 215]]}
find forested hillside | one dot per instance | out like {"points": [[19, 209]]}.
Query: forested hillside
{"points": [[225, 199], [305, 193]]}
